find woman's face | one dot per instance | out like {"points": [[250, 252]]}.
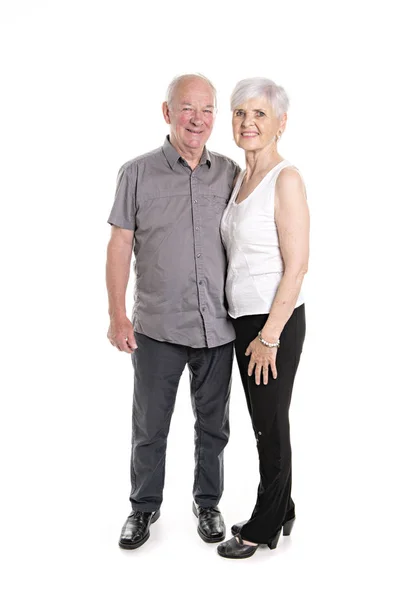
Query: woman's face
{"points": [[255, 124]]}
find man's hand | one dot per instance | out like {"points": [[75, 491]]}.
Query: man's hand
{"points": [[261, 358], [120, 333]]}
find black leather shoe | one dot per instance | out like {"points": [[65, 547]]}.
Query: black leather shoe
{"points": [[235, 548], [287, 527], [211, 526], [237, 527], [136, 530]]}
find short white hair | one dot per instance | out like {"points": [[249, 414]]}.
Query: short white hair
{"points": [[259, 87], [177, 80]]}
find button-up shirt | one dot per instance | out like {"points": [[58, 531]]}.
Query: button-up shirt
{"points": [[180, 265]]}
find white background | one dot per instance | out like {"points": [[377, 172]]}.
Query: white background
{"points": [[83, 84]]}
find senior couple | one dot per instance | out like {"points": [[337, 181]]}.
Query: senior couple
{"points": [[220, 259]]}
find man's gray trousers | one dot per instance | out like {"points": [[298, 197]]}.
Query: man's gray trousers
{"points": [[158, 367]]}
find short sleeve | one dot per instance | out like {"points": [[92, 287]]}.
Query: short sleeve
{"points": [[123, 212], [236, 172]]}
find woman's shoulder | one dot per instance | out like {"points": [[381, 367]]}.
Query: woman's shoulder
{"points": [[290, 190], [289, 177]]}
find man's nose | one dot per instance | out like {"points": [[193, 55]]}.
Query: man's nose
{"points": [[197, 117]]}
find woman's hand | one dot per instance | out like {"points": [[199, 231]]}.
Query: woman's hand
{"points": [[261, 357]]}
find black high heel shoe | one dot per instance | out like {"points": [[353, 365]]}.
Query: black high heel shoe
{"points": [[272, 544], [288, 526], [236, 548]]}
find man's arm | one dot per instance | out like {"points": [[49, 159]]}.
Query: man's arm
{"points": [[119, 255]]}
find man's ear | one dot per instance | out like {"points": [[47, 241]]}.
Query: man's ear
{"points": [[165, 110]]}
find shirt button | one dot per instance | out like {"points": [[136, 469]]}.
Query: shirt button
{"points": [[204, 308], [200, 283], [195, 201], [198, 256], [197, 228]]}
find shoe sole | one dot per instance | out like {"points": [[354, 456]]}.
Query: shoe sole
{"points": [[237, 557], [204, 537], [143, 541]]}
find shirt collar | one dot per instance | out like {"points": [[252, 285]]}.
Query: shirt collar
{"points": [[173, 156]]}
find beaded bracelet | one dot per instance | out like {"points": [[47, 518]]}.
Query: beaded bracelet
{"points": [[268, 344]]}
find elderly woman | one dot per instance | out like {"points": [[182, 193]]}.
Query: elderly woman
{"points": [[265, 230]]}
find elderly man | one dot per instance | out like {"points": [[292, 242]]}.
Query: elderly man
{"points": [[168, 207]]}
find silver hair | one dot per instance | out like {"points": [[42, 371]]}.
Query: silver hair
{"points": [[177, 80], [259, 87]]}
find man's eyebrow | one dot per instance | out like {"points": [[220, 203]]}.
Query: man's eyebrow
{"points": [[207, 105]]}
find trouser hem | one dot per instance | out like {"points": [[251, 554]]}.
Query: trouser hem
{"points": [[145, 507], [207, 503]]}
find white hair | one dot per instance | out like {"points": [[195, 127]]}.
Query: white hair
{"points": [[259, 87], [177, 80]]}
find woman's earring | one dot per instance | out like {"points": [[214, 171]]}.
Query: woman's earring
{"points": [[278, 135]]}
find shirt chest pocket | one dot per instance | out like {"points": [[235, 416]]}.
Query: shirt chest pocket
{"points": [[215, 203]]}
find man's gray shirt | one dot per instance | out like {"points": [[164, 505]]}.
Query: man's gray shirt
{"points": [[180, 264]]}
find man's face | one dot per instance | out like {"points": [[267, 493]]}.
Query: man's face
{"points": [[191, 115]]}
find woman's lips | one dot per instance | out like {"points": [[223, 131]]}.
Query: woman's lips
{"points": [[249, 134]]}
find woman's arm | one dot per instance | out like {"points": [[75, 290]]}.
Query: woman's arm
{"points": [[293, 224]]}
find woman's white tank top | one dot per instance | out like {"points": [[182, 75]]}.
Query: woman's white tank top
{"points": [[250, 236]]}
